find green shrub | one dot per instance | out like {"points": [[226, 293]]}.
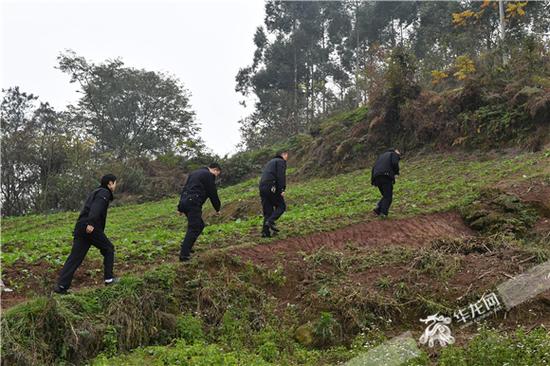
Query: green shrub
{"points": [[110, 341], [234, 330], [326, 329], [189, 328], [268, 351]]}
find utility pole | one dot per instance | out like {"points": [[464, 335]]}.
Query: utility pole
{"points": [[358, 92], [502, 30]]}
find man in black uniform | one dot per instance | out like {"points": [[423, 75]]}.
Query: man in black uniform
{"points": [[272, 192], [200, 185], [89, 231], [383, 176]]}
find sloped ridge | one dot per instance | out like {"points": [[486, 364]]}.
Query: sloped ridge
{"points": [[412, 232]]}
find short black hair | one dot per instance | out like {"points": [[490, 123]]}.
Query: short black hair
{"points": [[215, 166], [106, 179], [281, 152]]}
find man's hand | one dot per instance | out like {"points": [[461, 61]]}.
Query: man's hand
{"points": [[283, 194], [179, 213], [89, 229]]}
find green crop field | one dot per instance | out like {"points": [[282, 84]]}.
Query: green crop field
{"points": [[220, 310], [152, 231]]}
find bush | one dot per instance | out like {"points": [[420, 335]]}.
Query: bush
{"points": [[326, 329], [73, 328], [268, 351], [189, 328]]}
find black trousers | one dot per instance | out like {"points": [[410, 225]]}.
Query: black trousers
{"points": [[81, 245], [273, 204], [195, 226], [385, 185]]}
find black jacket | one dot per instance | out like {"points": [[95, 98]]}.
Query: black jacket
{"points": [[275, 173], [94, 212], [387, 164], [201, 184]]}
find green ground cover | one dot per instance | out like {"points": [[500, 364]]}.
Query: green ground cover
{"points": [[220, 311], [148, 232]]}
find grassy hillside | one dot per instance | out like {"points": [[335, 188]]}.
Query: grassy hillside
{"points": [[246, 300], [148, 232]]}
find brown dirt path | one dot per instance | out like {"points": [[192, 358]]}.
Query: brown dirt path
{"points": [[414, 232]]}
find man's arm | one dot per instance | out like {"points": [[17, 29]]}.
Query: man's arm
{"points": [[212, 193], [99, 205], [180, 203], [395, 163], [281, 175], [183, 190]]}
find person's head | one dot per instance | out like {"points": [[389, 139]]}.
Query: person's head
{"points": [[109, 181], [393, 149], [215, 169], [283, 154]]}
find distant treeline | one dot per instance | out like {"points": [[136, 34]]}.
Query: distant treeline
{"points": [[333, 81], [134, 123], [315, 58]]}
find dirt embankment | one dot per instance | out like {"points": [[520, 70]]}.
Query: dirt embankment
{"points": [[413, 232]]}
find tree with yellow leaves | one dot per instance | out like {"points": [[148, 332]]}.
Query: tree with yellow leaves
{"points": [[513, 9], [464, 66]]}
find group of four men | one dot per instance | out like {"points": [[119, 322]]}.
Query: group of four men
{"points": [[200, 186]]}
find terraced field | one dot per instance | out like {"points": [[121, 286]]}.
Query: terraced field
{"points": [[336, 282]]}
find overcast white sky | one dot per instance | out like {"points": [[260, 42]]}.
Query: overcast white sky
{"points": [[203, 43]]}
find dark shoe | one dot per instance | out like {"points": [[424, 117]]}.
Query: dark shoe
{"points": [[112, 281], [376, 212], [265, 232], [273, 227], [60, 290], [185, 259]]}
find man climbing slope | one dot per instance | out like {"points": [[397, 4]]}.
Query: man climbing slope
{"points": [[383, 176], [89, 231], [200, 185], [272, 192]]}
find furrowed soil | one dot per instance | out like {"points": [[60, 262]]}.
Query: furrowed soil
{"points": [[40, 276], [465, 266], [412, 232]]}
